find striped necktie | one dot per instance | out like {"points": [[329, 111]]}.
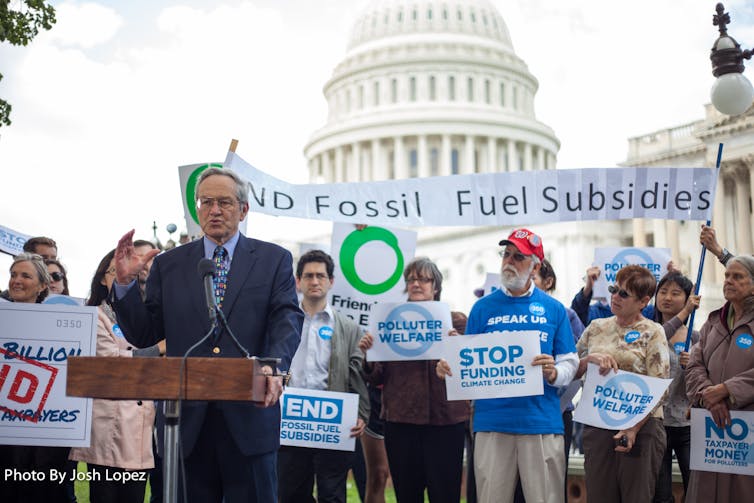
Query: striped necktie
{"points": [[221, 274]]}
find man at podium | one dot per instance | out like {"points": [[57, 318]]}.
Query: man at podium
{"points": [[229, 449]]}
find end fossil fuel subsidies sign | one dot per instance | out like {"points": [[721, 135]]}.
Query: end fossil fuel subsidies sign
{"points": [[369, 265], [493, 365], [318, 419], [409, 331]]}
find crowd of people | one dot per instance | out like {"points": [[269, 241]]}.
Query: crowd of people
{"points": [[516, 449]]}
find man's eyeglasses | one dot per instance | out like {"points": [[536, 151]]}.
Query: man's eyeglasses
{"points": [[421, 280], [224, 203], [310, 276], [623, 294], [57, 276], [517, 256]]}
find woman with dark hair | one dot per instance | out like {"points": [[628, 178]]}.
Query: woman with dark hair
{"points": [[623, 465], [424, 432], [121, 438], [674, 303], [58, 277], [720, 375], [29, 284]]}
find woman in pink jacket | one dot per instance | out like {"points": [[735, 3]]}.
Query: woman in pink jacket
{"points": [[120, 454]]}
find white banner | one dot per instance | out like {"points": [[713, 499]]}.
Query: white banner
{"points": [[493, 365], [727, 450], [188, 176], [408, 331], [12, 242], [617, 401], [610, 260], [529, 197], [318, 419], [369, 267], [35, 343]]}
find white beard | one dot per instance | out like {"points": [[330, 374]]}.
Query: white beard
{"points": [[511, 280]]}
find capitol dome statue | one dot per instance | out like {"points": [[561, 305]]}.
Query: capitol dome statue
{"points": [[429, 88], [435, 88]]}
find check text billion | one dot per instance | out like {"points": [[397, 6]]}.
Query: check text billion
{"points": [[410, 331]]}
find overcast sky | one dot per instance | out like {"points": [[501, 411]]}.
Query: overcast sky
{"points": [[108, 103]]}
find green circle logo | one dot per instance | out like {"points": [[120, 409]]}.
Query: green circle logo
{"points": [[351, 246], [191, 188]]}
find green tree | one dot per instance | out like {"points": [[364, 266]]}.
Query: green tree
{"points": [[18, 25]]}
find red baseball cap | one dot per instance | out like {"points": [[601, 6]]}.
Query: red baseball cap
{"points": [[526, 241]]}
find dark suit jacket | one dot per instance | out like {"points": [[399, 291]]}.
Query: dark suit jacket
{"points": [[262, 310]]}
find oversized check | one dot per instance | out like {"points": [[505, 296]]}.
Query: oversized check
{"points": [[493, 365], [35, 343], [318, 419], [409, 331]]}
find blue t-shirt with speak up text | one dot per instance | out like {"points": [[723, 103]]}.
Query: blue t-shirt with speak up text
{"points": [[499, 312]]}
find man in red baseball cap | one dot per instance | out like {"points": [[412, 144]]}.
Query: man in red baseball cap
{"points": [[522, 437]]}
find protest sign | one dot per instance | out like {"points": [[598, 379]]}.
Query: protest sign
{"points": [[493, 365], [491, 282], [610, 260], [35, 344], [12, 242], [729, 449], [369, 267], [318, 419], [507, 198], [617, 401], [408, 330]]}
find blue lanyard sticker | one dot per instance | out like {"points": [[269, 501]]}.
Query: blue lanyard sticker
{"points": [[325, 332], [744, 341], [118, 332]]}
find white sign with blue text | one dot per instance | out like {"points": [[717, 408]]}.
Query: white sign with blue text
{"points": [[610, 260], [493, 365], [409, 331], [318, 419], [35, 343], [728, 449], [12, 242], [618, 400]]}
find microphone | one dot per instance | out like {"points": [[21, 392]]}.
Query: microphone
{"points": [[206, 269]]}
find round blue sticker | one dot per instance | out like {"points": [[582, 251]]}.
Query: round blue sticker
{"points": [[744, 341], [117, 331], [632, 336], [678, 347], [536, 309], [325, 332]]}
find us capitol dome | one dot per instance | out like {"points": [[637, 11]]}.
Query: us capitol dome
{"points": [[435, 88]]}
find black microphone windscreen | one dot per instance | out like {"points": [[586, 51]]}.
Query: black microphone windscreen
{"points": [[205, 267]]}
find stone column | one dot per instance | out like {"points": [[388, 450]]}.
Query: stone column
{"points": [[527, 157], [674, 242], [468, 156], [378, 170], [354, 171], [541, 161], [718, 222], [339, 165], [422, 154], [445, 156], [491, 166], [327, 170], [743, 220], [512, 156], [639, 235], [399, 154]]}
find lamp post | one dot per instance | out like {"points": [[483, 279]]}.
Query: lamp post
{"points": [[732, 93]]}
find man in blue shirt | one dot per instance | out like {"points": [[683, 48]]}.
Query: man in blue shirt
{"points": [[522, 436]]}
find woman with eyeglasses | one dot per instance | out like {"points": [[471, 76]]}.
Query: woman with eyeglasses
{"points": [[121, 441], [674, 303], [424, 432], [29, 284], [720, 375], [58, 277], [623, 465]]}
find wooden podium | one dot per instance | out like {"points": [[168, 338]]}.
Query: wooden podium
{"points": [[211, 379]]}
